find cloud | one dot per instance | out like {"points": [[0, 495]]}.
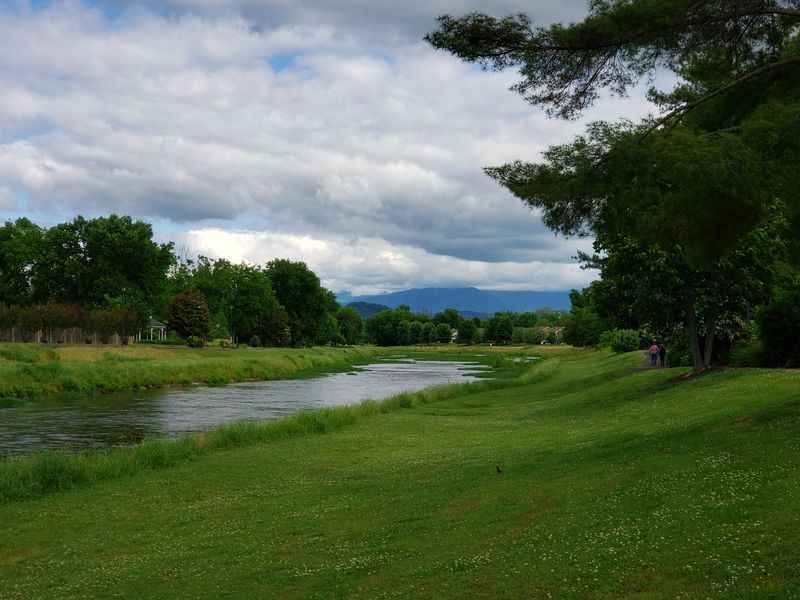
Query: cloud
{"points": [[277, 117], [370, 265], [7, 200], [368, 21]]}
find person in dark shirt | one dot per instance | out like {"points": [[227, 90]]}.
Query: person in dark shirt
{"points": [[662, 355]]}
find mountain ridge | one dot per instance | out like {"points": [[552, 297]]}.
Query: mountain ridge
{"points": [[470, 299]]}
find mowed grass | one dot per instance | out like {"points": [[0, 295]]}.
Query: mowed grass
{"points": [[28, 371], [616, 483]]}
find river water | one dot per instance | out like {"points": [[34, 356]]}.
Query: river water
{"points": [[111, 420]]}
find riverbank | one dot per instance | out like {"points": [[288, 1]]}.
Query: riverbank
{"points": [[614, 483], [30, 371], [49, 471]]}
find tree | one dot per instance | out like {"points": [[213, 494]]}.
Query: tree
{"points": [[444, 335], [330, 333], [382, 328], [583, 327], [189, 316], [428, 333], [525, 319], [450, 316], [648, 286], [299, 291], [88, 261], [20, 249], [255, 310], [417, 333], [467, 332], [500, 328], [350, 325], [702, 176]]}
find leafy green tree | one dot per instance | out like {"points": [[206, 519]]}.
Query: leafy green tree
{"points": [[330, 333], [525, 319], [88, 261], [648, 286], [20, 249], [351, 325], [500, 328], [417, 333], [467, 332], [699, 178], [583, 327], [450, 316], [189, 316], [428, 333], [404, 333], [255, 310], [382, 328], [444, 334], [299, 291]]}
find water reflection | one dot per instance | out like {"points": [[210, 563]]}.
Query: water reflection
{"points": [[101, 421]]}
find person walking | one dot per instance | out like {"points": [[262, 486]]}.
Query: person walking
{"points": [[654, 354], [662, 355]]}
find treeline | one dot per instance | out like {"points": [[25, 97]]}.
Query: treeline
{"points": [[69, 323], [93, 279], [401, 327], [103, 280]]}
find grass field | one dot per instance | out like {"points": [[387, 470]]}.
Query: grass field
{"points": [[29, 371], [616, 482]]}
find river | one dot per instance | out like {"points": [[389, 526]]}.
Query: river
{"points": [[117, 419]]}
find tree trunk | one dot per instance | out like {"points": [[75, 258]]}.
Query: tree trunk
{"points": [[708, 350], [694, 340]]}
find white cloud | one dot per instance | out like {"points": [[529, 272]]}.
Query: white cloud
{"points": [[269, 116], [359, 264]]}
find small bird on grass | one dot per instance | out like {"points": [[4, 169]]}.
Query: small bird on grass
{"points": [[499, 470]]}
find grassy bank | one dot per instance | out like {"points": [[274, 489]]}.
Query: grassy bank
{"points": [[30, 371], [615, 483], [54, 471]]}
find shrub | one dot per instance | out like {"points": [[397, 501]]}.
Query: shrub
{"points": [[195, 341], [780, 330], [747, 354], [255, 342], [621, 340], [583, 327]]}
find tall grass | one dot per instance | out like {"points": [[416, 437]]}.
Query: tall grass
{"points": [[34, 372], [54, 471]]}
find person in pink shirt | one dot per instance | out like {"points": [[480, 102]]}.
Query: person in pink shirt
{"points": [[654, 351]]}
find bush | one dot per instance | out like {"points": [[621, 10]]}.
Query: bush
{"points": [[255, 342], [779, 323], [195, 341], [621, 340], [583, 327], [747, 354], [529, 335]]}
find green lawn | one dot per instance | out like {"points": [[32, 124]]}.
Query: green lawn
{"points": [[617, 483]]}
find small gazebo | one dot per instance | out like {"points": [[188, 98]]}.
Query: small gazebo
{"points": [[156, 331]]}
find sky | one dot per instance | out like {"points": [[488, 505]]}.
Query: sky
{"points": [[322, 131]]}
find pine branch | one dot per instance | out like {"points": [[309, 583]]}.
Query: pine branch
{"points": [[681, 111]]}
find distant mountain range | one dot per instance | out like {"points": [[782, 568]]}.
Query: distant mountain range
{"points": [[468, 300], [366, 309]]}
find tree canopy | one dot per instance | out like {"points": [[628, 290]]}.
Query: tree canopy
{"points": [[697, 180]]}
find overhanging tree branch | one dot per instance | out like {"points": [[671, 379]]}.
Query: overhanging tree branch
{"points": [[681, 111]]}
